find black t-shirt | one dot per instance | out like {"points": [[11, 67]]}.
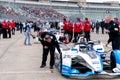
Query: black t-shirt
{"points": [[54, 42], [114, 30]]}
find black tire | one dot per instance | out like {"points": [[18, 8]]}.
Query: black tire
{"points": [[112, 61]]}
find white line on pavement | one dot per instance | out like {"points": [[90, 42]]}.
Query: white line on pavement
{"points": [[25, 72]]}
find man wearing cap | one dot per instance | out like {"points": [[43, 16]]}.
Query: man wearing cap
{"points": [[49, 43]]}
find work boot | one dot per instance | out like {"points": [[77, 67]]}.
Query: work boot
{"points": [[42, 66], [51, 67]]}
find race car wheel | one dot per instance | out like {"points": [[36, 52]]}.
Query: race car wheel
{"points": [[112, 61]]}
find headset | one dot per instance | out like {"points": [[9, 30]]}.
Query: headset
{"points": [[51, 37]]}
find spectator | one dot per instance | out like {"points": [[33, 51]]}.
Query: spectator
{"points": [[40, 25], [43, 13], [93, 26], [102, 25], [97, 27], [27, 32], [21, 27]]}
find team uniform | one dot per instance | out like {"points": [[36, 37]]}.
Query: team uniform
{"points": [[114, 34], [50, 47], [87, 29], [78, 27]]}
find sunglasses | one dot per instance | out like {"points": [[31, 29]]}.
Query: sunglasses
{"points": [[47, 38]]}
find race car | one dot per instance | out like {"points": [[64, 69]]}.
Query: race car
{"points": [[78, 61], [82, 60], [113, 63]]}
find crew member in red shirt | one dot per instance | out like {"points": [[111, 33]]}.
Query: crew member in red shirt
{"points": [[87, 29], [9, 29], [70, 29], [78, 29], [4, 29], [13, 27], [65, 26]]}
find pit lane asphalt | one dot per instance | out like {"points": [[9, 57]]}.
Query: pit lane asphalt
{"points": [[19, 62]]}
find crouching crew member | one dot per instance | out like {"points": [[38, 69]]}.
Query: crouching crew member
{"points": [[49, 43]]}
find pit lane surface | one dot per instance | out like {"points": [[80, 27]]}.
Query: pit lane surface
{"points": [[19, 62]]}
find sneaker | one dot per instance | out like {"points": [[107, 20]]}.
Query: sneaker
{"points": [[51, 67], [42, 66], [29, 44], [25, 44]]}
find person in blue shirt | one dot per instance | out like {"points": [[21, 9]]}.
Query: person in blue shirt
{"points": [[27, 31]]}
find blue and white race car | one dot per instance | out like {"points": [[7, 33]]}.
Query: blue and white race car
{"points": [[79, 61], [83, 60]]}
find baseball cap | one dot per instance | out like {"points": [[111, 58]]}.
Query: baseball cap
{"points": [[47, 36]]}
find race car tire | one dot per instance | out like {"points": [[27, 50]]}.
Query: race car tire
{"points": [[112, 61]]}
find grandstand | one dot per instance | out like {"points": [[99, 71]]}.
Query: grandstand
{"points": [[57, 9], [55, 0]]}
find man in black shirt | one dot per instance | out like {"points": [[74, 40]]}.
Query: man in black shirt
{"points": [[102, 23], [49, 43], [112, 29]]}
